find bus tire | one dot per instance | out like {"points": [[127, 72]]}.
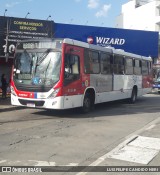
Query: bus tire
{"points": [[87, 104], [133, 98]]}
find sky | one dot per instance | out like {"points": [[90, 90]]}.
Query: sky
{"points": [[82, 12]]}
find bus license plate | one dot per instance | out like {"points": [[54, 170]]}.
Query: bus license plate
{"points": [[32, 105]]}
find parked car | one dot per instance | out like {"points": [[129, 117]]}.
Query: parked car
{"points": [[156, 84]]}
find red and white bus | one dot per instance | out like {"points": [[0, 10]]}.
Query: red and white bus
{"points": [[65, 73]]}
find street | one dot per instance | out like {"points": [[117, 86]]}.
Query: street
{"points": [[38, 137]]}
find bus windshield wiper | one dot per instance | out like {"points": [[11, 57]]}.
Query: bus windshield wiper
{"points": [[44, 55]]}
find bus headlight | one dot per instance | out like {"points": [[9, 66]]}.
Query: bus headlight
{"points": [[54, 93], [13, 91]]}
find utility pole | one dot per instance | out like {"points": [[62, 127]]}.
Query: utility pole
{"points": [[6, 45], [7, 36]]}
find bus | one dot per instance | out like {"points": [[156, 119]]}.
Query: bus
{"points": [[66, 73]]}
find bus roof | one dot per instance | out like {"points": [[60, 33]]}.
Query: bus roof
{"points": [[105, 49], [86, 45], [92, 46]]}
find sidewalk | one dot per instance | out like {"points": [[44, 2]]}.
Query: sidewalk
{"points": [[142, 149], [5, 105], [138, 154]]}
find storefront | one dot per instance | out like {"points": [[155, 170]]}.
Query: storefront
{"points": [[135, 41], [16, 29]]}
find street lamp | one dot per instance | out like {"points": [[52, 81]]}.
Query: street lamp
{"points": [[5, 12], [27, 15], [48, 17]]}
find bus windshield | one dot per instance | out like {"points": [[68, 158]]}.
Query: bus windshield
{"points": [[37, 68]]}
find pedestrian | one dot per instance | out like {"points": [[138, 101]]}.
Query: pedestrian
{"points": [[4, 86]]}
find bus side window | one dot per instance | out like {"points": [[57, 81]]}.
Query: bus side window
{"points": [[86, 61], [137, 67], [118, 65], [95, 62], [128, 66], [145, 70], [91, 62], [105, 63], [150, 67], [72, 67]]}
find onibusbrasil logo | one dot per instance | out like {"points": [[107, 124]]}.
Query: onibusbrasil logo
{"points": [[90, 40]]}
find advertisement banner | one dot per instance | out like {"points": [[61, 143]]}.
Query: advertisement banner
{"points": [[16, 29], [144, 43]]}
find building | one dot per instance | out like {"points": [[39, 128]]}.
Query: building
{"points": [[125, 39], [140, 15], [15, 29]]}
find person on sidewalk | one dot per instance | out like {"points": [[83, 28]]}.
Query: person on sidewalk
{"points": [[4, 86]]}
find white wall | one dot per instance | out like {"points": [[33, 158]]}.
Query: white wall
{"points": [[141, 18]]}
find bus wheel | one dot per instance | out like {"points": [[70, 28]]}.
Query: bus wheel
{"points": [[87, 104], [133, 96]]}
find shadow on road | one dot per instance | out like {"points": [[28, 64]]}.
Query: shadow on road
{"points": [[145, 104]]}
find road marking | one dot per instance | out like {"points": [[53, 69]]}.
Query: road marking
{"points": [[2, 161], [36, 163], [72, 164], [43, 163], [150, 127], [128, 139]]}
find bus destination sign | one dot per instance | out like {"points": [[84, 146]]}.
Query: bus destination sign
{"points": [[52, 44]]}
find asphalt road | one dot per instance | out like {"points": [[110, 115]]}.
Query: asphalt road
{"points": [[36, 137]]}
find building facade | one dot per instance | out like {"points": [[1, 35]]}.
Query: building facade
{"points": [[13, 30], [140, 15], [16, 29], [125, 39]]}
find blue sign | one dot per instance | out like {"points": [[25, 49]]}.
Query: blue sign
{"points": [[36, 80], [135, 41]]}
